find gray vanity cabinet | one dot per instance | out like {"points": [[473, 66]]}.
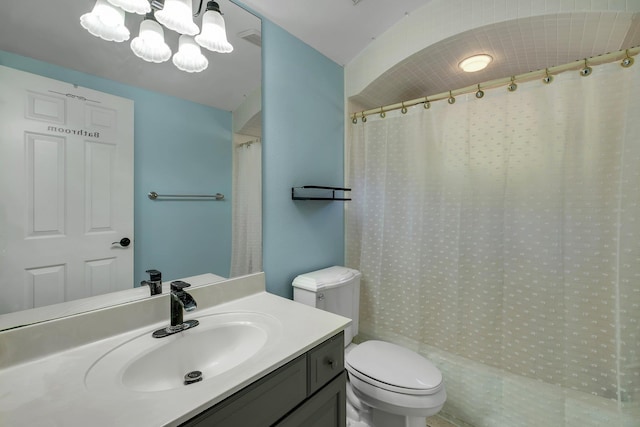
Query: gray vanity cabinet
{"points": [[309, 391], [325, 409]]}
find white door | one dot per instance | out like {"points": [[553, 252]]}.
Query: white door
{"points": [[66, 191]]}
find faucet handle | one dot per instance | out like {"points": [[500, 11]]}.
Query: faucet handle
{"points": [[154, 274], [179, 285]]}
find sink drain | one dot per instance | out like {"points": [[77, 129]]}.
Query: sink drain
{"points": [[192, 377]]}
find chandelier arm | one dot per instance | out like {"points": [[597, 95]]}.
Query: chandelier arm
{"points": [[157, 5], [195, 15]]}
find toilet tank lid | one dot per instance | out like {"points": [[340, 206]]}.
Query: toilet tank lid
{"points": [[394, 365], [325, 279]]}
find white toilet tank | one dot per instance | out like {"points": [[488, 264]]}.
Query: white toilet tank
{"points": [[334, 289]]}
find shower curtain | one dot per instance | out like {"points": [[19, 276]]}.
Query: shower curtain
{"points": [[246, 236], [500, 237]]}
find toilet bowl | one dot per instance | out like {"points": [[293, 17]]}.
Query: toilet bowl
{"points": [[396, 386], [388, 385]]}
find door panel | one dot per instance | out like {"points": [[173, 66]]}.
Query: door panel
{"points": [[45, 285], [45, 192]]}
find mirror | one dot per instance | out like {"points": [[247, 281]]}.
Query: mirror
{"points": [[188, 129]]}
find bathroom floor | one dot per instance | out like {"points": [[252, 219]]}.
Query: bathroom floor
{"points": [[436, 421]]}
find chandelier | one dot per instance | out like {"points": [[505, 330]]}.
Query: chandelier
{"points": [[106, 20]]}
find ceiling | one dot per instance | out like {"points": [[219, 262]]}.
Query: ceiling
{"points": [[517, 47], [50, 31], [339, 29]]}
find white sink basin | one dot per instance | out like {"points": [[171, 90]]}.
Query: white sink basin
{"points": [[219, 344]]}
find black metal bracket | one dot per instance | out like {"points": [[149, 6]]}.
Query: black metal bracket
{"points": [[317, 192]]}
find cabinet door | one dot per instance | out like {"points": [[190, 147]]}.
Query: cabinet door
{"points": [[326, 408], [325, 362], [262, 403]]}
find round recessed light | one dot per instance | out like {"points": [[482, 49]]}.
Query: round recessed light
{"points": [[475, 63]]}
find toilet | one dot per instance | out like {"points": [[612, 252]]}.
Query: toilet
{"points": [[388, 385]]}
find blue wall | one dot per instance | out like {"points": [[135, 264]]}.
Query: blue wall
{"points": [[180, 147], [303, 144]]}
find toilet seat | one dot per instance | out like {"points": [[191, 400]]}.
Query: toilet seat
{"points": [[393, 368]]}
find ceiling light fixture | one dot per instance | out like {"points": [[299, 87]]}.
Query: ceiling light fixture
{"points": [[189, 58], [150, 44], [176, 15], [475, 63], [214, 32], [106, 20]]}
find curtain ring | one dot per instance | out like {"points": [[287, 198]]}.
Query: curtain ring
{"points": [[586, 71], [364, 118], [382, 113], [451, 99], [547, 78], [426, 103], [403, 109], [513, 86], [355, 119], [627, 61], [479, 93]]}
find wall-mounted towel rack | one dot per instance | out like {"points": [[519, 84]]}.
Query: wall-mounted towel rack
{"points": [[317, 192], [153, 196]]}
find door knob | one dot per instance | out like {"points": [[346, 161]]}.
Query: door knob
{"points": [[124, 242]]}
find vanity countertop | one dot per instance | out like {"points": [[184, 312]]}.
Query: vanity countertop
{"points": [[51, 390]]}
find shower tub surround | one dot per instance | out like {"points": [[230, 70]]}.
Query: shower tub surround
{"points": [[44, 366]]}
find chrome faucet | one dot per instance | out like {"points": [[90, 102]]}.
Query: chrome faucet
{"points": [[179, 300], [154, 282]]}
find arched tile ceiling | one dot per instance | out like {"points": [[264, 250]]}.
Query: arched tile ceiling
{"points": [[517, 46]]}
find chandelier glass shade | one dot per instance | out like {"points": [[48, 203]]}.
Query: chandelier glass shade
{"points": [[177, 15], [107, 21], [214, 33], [189, 58], [140, 7], [150, 44]]}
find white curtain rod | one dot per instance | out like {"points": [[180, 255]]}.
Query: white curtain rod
{"points": [[547, 73]]}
